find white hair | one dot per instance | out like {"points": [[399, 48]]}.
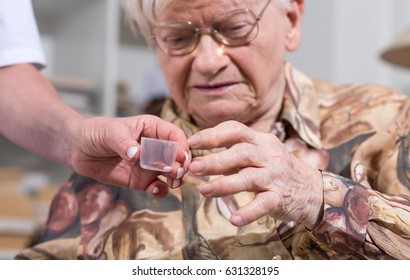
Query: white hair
{"points": [[141, 14]]}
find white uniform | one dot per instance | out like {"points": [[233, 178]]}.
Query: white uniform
{"points": [[19, 36]]}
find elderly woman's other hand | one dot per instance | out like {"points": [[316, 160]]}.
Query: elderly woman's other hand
{"points": [[285, 187]]}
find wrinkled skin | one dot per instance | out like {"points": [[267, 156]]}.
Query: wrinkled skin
{"points": [[285, 187]]}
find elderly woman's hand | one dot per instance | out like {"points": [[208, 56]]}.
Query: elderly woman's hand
{"points": [[285, 187]]}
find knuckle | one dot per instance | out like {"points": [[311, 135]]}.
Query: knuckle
{"points": [[220, 161], [264, 204], [122, 145], [246, 181], [247, 156]]}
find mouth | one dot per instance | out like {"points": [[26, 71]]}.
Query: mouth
{"points": [[215, 88]]}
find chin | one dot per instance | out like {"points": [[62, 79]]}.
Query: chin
{"points": [[213, 120], [215, 113]]}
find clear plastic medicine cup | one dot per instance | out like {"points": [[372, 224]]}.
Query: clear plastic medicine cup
{"points": [[158, 154]]}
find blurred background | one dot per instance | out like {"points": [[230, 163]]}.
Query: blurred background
{"points": [[100, 68]]}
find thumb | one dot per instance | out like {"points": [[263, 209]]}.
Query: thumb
{"points": [[125, 146], [132, 152]]}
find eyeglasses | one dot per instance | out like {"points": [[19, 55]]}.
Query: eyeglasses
{"points": [[234, 28]]}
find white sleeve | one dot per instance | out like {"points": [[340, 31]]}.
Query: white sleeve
{"points": [[19, 36]]}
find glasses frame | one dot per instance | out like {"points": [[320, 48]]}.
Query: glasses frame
{"points": [[212, 31]]}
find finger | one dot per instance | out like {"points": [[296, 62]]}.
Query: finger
{"points": [[176, 171], [248, 179], [158, 188], [226, 162], [148, 181], [174, 179], [173, 183], [225, 134], [141, 178], [187, 160], [179, 172], [121, 140], [155, 127], [263, 204], [133, 152], [180, 168]]}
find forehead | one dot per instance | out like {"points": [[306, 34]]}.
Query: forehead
{"points": [[200, 10]]}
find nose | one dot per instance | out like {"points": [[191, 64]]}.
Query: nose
{"points": [[210, 56]]}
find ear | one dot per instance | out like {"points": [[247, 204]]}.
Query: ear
{"points": [[294, 15]]}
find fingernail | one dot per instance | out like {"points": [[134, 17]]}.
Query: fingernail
{"points": [[132, 151], [155, 190], [193, 140], [175, 184], [167, 169], [180, 173], [197, 167], [186, 157]]}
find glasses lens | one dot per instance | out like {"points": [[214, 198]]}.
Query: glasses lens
{"points": [[176, 38], [236, 28]]}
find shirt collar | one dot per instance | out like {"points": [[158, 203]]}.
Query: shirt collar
{"points": [[300, 107]]}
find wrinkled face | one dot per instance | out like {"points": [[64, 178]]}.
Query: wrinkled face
{"points": [[215, 83]]}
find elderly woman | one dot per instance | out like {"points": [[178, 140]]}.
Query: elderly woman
{"points": [[283, 167]]}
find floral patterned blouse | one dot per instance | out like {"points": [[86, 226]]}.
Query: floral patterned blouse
{"points": [[362, 132]]}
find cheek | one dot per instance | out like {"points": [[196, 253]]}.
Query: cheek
{"points": [[267, 61], [260, 68], [175, 78]]}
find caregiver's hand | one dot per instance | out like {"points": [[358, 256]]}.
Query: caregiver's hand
{"points": [[107, 149], [285, 187]]}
